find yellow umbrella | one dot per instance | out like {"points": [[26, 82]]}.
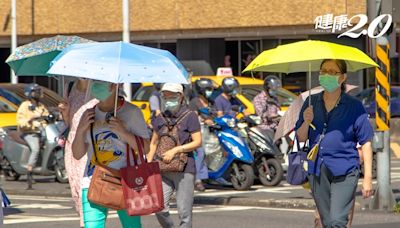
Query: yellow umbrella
{"points": [[307, 55]]}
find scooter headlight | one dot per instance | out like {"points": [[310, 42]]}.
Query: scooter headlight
{"points": [[230, 122], [256, 119]]}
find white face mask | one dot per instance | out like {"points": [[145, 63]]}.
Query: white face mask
{"points": [[208, 93], [272, 93], [171, 105]]}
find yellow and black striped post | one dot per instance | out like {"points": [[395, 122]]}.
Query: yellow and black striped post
{"points": [[382, 89]]}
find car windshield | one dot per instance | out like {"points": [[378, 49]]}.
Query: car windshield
{"points": [[10, 96], [395, 94], [285, 98], [5, 106], [248, 91], [144, 93], [16, 95]]}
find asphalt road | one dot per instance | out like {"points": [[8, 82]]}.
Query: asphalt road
{"points": [[38, 212]]}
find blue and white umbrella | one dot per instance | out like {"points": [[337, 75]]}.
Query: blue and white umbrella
{"points": [[119, 62]]}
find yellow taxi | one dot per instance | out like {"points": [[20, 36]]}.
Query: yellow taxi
{"points": [[7, 112], [249, 89], [11, 96]]}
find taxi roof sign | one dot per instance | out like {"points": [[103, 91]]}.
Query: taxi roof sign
{"points": [[224, 71]]}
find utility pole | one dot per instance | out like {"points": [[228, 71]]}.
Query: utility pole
{"points": [[383, 198], [14, 79], [126, 38]]}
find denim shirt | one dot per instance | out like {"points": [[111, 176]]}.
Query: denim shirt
{"points": [[347, 125]]}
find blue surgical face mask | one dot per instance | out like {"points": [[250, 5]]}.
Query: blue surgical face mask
{"points": [[329, 82], [234, 93], [100, 90], [272, 93], [208, 93], [171, 105]]}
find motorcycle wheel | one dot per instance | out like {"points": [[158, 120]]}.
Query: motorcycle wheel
{"points": [[276, 172], [9, 174], [61, 175], [244, 179], [60, 171]]}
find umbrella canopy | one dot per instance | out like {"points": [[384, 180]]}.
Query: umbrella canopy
{"points": [[119, 62], [304, 56], [34, 59], [289, 119]]}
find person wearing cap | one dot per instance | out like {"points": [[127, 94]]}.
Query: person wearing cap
{"points": [[173, 107]]}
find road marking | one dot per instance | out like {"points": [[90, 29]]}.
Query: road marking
{"points": [[41, 206], [19, 219], [32, 219], [284, 190], [40, 198], [285, 209], [395, 148]]}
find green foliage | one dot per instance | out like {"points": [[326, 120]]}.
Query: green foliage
{"points": [[397, 208]]}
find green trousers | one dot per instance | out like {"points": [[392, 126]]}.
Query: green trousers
{"points": [[95, 216]]}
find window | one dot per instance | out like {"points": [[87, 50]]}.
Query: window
{"points": [[395, 94], [285, 98], [144, 93], [249, 50], [5, 106]]}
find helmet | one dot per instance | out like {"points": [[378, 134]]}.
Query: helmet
{"points": [[271, 82], [230, 85], [30, 89], [202, 85]]}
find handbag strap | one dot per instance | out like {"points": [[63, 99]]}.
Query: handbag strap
{"points": [[92, 139], [298, 143], [140, 157]]}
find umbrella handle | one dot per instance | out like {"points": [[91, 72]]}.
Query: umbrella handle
{"points": [[116, 101], [88, 90], [309, 90]]}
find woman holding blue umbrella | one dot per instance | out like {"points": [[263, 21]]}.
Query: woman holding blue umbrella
{"points": [[333, 163], [110, 137]]}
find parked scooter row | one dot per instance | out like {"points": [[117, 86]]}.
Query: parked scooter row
{"points": [[238, 152], [15, 151]]}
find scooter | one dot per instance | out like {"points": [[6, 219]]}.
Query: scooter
{"points": [[227, 154], [15, 151], [268, 158]]}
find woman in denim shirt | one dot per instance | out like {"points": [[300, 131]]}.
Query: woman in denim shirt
{"points": [[340, 123]]}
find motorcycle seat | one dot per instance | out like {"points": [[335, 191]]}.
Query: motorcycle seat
{"points": [[17, 137]]}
